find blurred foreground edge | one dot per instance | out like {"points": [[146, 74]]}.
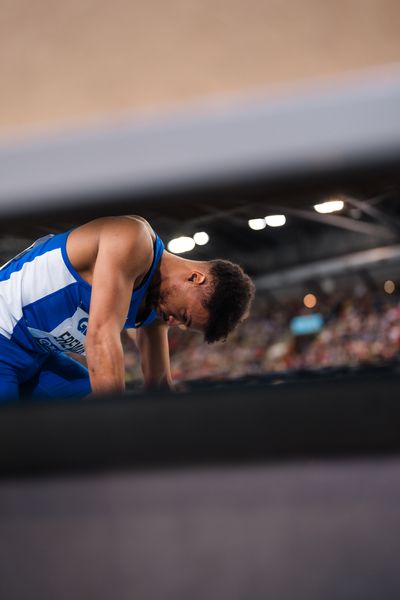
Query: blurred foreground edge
{"points": [[340, 128], [233, 425]]}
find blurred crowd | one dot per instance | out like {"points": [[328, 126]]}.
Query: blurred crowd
{"points": [[359, 327]]}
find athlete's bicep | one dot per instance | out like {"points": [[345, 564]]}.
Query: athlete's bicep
{"points": [[119, 261], [111, 292]]}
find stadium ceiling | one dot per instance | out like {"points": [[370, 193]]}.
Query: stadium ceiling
{"points": [[215, 167]]}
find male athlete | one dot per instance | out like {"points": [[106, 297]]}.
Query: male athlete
{"points": [[74, 293]]}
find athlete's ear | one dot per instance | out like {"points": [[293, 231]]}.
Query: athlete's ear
{"points": [[197, 277]]}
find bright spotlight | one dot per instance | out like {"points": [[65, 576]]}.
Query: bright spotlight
{"points": [[310, 300], [275, 220], [389, 286], [201, 238], [257, 224], [181, 244], [329, 207]]}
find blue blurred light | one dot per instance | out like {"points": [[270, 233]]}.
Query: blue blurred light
{"points": [[307, 324]]}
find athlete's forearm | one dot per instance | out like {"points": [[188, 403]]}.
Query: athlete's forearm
{"points": [[105, 360], [154, 353], [156, 372], [157, 380]]}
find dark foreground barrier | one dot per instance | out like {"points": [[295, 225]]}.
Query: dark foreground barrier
{"points": [[356, 415], [315, 525]]}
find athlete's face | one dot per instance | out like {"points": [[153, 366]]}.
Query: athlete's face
{"points": [[181, 304]]}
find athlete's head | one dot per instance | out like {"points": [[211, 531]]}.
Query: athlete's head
{"points": [[229, 300], [212, 297]]}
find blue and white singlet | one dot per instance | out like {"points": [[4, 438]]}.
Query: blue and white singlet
{"points": [[44, 303]]}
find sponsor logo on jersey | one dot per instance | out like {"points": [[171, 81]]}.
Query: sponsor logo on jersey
{"points": [[68, 336], [82, 325], [47, 345]]}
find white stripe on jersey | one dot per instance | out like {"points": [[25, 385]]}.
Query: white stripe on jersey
{"points": [[38, 278]]}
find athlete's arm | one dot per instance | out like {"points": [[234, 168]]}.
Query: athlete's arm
{"points": [[124, 248], [152, 342]]}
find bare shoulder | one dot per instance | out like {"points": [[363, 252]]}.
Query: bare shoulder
{"points": [[143, 222], [129, 230], [122, 238]]}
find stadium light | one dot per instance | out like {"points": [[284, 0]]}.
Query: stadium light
{"points": [[329, 207], [257, 224], [181, 244], [389, 286], [275, 220], [201, 238], [310, 300]]}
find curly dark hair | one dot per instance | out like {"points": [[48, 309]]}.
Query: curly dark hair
{"points": [[229, 301]]}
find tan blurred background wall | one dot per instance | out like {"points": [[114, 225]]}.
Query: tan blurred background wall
{"points": [[65, 62]]}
